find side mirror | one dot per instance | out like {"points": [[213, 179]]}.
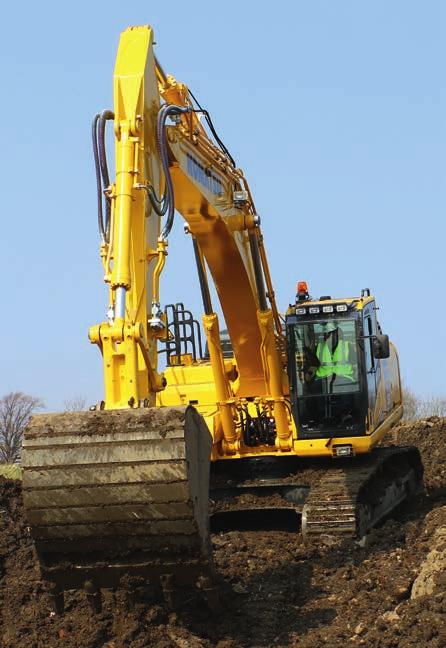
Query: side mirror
{"points": [[381, 347]]}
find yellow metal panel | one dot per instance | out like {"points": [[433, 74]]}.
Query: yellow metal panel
{"points": [[233, 282]]}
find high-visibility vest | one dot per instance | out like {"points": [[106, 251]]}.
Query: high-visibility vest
{"points": [[334, 363]]}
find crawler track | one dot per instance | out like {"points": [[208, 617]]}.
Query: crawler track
{"points": [[350, 500], [119, 494], [341, 498]]}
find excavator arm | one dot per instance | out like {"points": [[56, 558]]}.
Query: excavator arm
{"points": [[160, 167]]}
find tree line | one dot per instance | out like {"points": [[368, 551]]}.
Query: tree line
{"points": [[416, 408], [15, 411]]}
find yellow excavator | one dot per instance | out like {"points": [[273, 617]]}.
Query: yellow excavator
{"points": [[121, 493]]}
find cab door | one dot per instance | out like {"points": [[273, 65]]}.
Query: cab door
{"points": [[371, 364]]}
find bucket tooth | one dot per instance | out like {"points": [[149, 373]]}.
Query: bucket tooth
{"points": [[210, 593], [169, 590], [94, 596], [57, 599]]}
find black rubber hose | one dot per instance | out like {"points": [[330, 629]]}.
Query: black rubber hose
{"points": [[163, 114], [160, 206], [218, 140], [211, 126], [94, 135], [167, 202], [104, 116]]}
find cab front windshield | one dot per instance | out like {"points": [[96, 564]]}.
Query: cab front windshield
{"points": [[326, 357], [327, 377]]}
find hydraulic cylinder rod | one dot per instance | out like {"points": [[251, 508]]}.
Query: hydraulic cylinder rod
{"points": [[123, 205], [202, 278], [120, 293]]}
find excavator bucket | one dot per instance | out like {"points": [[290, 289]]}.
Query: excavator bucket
{"points": [[120, 494]]}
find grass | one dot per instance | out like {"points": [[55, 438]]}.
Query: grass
{"points": [[10, 471]]}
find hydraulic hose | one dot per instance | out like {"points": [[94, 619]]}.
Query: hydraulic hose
{"points": [[103, 117], [166, 111], [212, 129], [163, 206], [160, 206], [101, 170], [94, 136]]}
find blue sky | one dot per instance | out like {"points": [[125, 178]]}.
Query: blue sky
{"points": [[334, 110]]}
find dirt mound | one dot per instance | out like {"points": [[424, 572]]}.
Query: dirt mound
{"points": [[430, 437], [275, 591]]}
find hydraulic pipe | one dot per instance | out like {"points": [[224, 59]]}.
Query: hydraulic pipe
{"points": [[161, 261], [273, 378], [166, 111], [269, 285]]}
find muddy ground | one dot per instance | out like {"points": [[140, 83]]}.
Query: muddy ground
{"points": [[275, 590]]}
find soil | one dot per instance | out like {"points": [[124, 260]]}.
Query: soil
{"points": [[275, 591]]}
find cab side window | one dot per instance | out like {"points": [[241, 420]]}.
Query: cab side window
{"points": [[368, 332]]}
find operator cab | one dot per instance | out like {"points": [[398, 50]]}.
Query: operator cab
{"points": [[335, 348]]}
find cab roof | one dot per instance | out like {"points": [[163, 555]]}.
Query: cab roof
{"points": [[355, 303]]}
